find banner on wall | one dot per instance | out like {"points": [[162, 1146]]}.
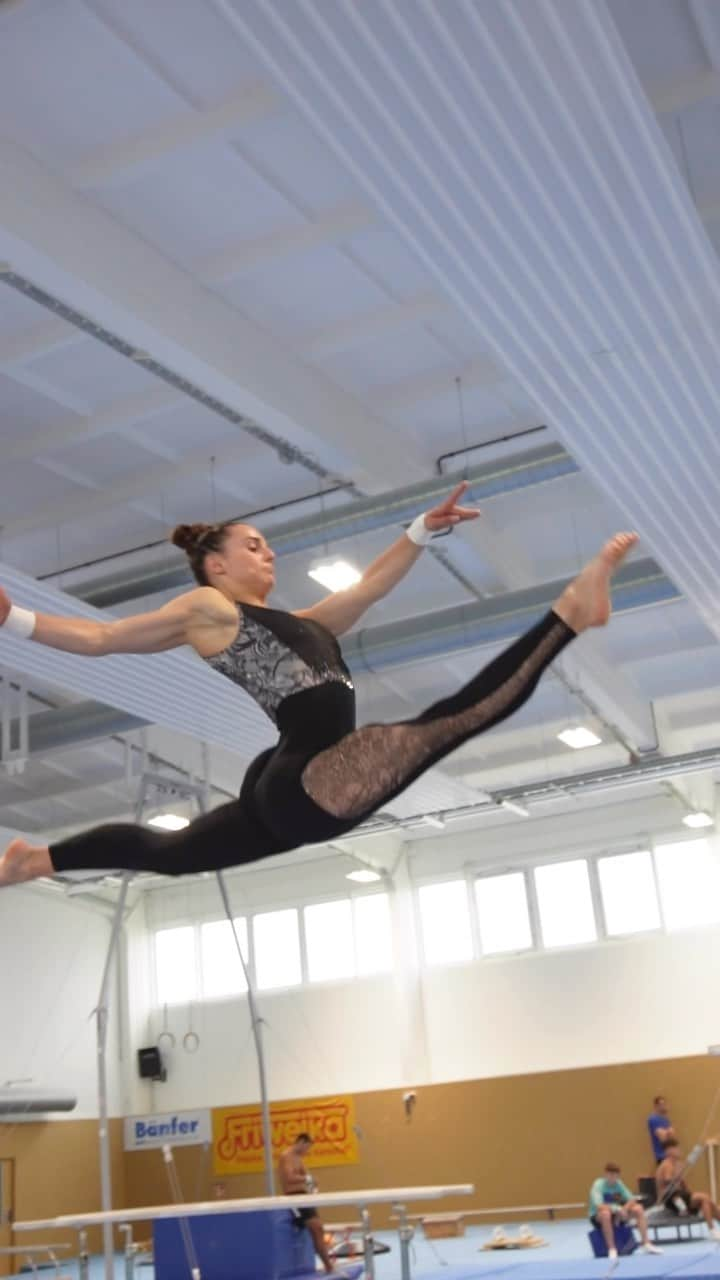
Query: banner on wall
{"points": [[178, 1129], [238, 1137]]}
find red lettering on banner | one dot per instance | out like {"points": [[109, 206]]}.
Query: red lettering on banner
{"points": [[327, 1124]]}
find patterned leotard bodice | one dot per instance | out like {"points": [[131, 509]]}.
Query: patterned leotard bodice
{"points": [[277, 654]]}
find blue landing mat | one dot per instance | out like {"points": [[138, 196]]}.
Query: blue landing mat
{"points": [[637, 1267]]}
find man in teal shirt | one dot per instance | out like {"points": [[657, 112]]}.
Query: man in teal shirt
{"points": [[611, 1202]]}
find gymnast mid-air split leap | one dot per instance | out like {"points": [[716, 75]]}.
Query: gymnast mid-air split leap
{"points": [[324, 776]]}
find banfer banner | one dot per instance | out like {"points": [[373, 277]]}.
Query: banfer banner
{"points": [[177, 1128], [238, 1137]]}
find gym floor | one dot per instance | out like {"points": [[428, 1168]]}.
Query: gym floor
{"points": [[464, 1257]]}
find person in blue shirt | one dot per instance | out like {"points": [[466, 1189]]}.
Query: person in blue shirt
{"points": [[611, 1202], [660, 1127]]}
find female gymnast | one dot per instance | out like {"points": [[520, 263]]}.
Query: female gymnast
{"points": [[324, 776]]}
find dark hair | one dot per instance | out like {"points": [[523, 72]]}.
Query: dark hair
{"points": [[667, 1143], [611, 1167], [197, 541], [304, 1137], [659, 1097]]}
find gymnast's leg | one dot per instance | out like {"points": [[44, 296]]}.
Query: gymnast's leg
{"points": [[227, 836], [350, 780]]}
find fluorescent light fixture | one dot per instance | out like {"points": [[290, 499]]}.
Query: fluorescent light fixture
{"points": [[336, 576], [363, 875], [579, 738], [169, 822], [513, 807], [698, 819]]}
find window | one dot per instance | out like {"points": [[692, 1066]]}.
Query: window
{"points": [[222, 972], [329, 941], [565, 904], [689, 879], [445, 922], [277, 949], [373, 934], [175, 967], [503, 914], [628, 891]]}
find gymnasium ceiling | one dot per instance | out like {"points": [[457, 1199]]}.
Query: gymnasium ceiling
{"points": [[289, 261]]}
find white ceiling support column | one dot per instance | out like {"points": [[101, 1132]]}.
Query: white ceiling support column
{"points": [[514, 150], [79, 254]]}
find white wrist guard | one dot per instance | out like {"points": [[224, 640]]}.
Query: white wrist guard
{"points": [[418, 532], [20, 622]]}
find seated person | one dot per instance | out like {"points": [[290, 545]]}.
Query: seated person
{"points": [[611, 1202], [295, 1181], [675, 1193]]}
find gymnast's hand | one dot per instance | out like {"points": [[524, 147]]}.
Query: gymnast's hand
{"points": [[447, 514]]}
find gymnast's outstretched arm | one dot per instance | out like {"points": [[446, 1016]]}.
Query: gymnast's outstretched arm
{"points": [[181, 621], [341, 610]]}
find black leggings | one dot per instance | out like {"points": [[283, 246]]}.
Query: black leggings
{"points": [[315, 786]]}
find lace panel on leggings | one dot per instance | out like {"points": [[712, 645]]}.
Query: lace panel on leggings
{"points": [[374, 762]]}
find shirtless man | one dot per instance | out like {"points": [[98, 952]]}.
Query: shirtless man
{"points": [[295, 1181], [675, 1192]]}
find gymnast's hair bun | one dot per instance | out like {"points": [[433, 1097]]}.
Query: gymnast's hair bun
{"points": [[188, 536]]}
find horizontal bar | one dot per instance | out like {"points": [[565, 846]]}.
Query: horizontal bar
{"points": [[9, 1250], [390, 1195]]}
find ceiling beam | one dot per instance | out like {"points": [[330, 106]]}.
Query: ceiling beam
{"points": [[372, 324], [41, 341], [330, 229], [153, 478], [74, 251], [125, 161], [127, 411], [483, 372]]}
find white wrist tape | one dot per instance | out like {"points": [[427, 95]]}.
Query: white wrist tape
{"points": [[20, 622], [418, 532]]}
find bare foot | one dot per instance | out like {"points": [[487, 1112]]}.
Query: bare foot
{"points": [[23, 861], [586, 601]]}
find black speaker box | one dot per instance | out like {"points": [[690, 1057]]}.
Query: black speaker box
{"points": [[150, 1064]]}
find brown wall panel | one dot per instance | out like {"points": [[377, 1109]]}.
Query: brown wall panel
{"points": [[57, 1171], [520, 1139]]}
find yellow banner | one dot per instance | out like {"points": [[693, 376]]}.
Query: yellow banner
{"points": [[238, 1139]]}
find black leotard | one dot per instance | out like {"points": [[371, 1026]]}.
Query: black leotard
{"points": [[324, 776]]}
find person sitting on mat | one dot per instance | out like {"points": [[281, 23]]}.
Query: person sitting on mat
{"points": [[611, 1202], [659, 1126], [296, 1181], [674, 1192]]}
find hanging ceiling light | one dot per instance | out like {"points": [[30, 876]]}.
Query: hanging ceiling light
{"points": [[169, 821], [579, 737], [335, 576], [699, 818]]}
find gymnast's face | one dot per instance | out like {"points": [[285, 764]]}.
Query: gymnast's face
{"points": [[244, 568]]}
